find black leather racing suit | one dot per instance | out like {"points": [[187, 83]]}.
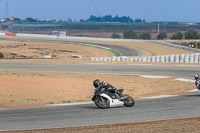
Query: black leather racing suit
{"points": [[108, 87], [197, 82]]}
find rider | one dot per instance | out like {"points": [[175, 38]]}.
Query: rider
{"points": [[196, 77], [107, 87]]}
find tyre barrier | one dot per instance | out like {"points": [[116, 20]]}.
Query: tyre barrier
{"points": [[183, 58]]}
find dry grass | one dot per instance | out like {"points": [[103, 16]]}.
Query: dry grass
{"points": [[36, 49]]}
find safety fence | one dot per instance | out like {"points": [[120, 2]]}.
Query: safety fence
{"points": [[182, 58]]}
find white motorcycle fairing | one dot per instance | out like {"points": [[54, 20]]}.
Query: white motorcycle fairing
{"points": [[113, 102]]}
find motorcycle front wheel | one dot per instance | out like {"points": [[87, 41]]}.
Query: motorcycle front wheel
{"points": [[102, 102], [129, 101]]}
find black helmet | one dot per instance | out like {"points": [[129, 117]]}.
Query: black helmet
{"points": [[96, 83], [196, 76]]}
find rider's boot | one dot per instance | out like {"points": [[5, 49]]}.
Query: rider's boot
{"points": [[121, 97]]}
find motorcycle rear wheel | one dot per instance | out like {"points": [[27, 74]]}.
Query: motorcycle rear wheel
{"points": [[129, 102], [102, 102]]}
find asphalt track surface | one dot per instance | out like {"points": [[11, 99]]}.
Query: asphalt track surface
{"points": [[131, 69], [183, 106]]}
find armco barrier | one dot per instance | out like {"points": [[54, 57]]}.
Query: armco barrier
{"points": [[183, 58]]}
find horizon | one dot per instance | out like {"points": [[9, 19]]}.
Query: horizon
{"points": [[57, 20], [152, 10]]}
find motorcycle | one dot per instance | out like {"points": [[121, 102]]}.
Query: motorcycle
{"points": [[104, 99], [198, 84]]}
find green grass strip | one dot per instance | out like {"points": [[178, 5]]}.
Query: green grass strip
{"points": [[116, 53]]}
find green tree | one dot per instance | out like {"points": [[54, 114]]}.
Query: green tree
{"points": [[145, 36], [30, 19], [177, 35], [192, 34], [17, 20], [130, 35], [1, 55], [114, 35], [162, 36]]}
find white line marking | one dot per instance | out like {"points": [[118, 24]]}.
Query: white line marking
{"points": [[195, 90], [161, 96], [187, 65], [140, 64], [149, 76], [186, 80], [69, 104]]}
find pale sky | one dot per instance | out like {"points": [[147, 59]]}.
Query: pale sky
{"points": [[151, 10]]}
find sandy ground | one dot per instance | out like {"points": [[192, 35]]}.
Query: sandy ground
{"points": [[19, 89], [36, 49]]}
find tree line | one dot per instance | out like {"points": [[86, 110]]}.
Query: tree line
{"points": [[110, 18], [190, 34], [92, 18]]}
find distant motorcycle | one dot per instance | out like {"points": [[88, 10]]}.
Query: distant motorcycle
{"points": [[198, 85], [104, 99]]}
